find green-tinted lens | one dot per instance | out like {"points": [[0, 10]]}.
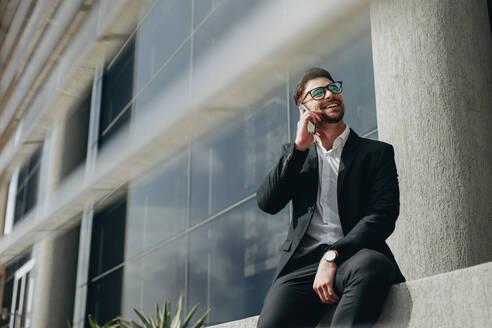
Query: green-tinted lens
{"points": [[334, 88], [318, 93]]}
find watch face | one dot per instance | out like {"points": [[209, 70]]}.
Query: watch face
{"points": [[330, 255]]}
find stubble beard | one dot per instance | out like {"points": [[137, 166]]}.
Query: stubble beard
{"points": [[334, 118]]}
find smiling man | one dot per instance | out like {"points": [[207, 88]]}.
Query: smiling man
{"points": [[345, 197]]}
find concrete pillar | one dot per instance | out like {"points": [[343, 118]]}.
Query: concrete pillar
{"points": [[433, 76], [56, 254]]}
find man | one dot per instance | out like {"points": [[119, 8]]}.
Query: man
{"points": [[345, 197]]}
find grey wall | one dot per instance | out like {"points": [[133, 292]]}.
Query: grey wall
{"points": [[56, 255], [432, 66]]}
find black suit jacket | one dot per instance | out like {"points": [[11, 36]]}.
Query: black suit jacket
{"points": [[367, 194]]}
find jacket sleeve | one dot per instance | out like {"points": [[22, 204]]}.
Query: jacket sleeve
{"points": [[383, 209], [276, 190]]}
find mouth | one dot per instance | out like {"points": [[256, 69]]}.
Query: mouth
{"points": [[332, 106]]}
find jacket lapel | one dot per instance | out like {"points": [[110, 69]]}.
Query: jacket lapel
{"points": [[348, 155]]}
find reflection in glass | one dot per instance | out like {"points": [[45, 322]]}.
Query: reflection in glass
{"points": [[232, 261], [153, 278], [229, 163], [178, 67], [162, 32], [117, 91], [227, 15], [157, 206], [202, 8], [104, 297], [108, 238], [27, 186]]}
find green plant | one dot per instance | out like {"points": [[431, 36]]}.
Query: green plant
{"points": [[113, 323], [163, 318], [110, 324]]}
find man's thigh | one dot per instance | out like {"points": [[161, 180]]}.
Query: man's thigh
{"points": [[292, 302], [362, 282]]}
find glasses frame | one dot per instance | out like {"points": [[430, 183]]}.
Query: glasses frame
{"points": [[324, 90]]}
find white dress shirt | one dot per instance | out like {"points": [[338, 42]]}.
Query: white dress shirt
{"points": [[325, 227]]}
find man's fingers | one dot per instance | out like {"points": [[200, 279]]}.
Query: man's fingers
{"points": [[314, 116], [326, 296], [309, 116], [332, 296], [321, 294]]}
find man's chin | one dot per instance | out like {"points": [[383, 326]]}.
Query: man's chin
{"points": [[332, 119]]}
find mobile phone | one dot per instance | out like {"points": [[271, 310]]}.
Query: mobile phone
{"points": [[311, 126]]}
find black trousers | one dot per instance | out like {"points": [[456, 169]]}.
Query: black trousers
{"points": [[362, 282]]}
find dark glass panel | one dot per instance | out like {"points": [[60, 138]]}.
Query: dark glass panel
{"points": [[7, 302], [108, 238], [117, 91], [32, 189], [27, 186], [75, 141], [104, 298], [19, 204], [232, 261]]}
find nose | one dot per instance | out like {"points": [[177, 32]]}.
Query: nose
{"points": [[328, 93]]}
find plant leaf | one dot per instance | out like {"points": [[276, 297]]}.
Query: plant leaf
{"points": [[125, 324], [200, 321], [163, 313], [158, 316], [131, 324], [176, 322], [188, 317], [168, 314], [143, 318], [92, 322]]}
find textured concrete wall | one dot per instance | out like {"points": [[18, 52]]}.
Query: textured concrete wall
{"points": [[433, 74], [56, 255], [461, 298], [56, 260], [457, 299]]}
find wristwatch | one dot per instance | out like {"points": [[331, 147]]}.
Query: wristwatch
{"points": [[330, 255]]}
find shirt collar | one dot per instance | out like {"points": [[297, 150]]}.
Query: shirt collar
{"points": [[338, 143]]}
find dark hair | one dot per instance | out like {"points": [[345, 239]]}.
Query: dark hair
{"points": [[310, 74]]}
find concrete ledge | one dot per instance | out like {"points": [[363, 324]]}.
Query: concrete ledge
{"points": [[461, 298]]}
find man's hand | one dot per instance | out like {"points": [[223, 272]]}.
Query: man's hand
{"points": [[304, 138], [323, 282]]}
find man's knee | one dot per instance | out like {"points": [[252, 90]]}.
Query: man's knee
{"points": [[372, 267]]}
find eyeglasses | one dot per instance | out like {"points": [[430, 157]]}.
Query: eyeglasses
{"points": [[320, 92]]}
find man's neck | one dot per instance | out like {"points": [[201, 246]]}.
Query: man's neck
{"points": [[328, 132]]}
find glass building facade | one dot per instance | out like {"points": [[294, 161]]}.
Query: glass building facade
{"points": [[191, 226]]}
